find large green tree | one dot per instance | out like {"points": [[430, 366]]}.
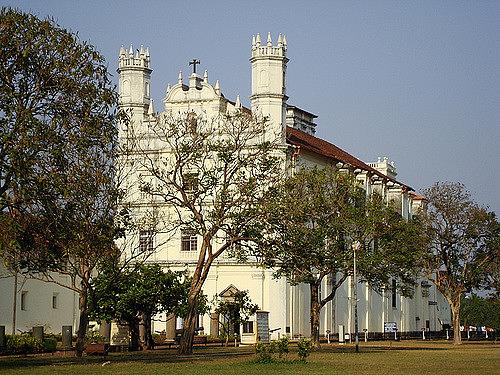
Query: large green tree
{"points": [[479, 311], [57, 143], [135, 293], [310, 225], [464, 244]]}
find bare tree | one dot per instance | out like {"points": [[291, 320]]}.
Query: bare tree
{"points": [[206, 175]]}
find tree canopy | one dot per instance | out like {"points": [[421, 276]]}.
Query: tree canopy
{"points": [[58, 135], [479, 311], [310, 223], [135, 293], [464, 244]]}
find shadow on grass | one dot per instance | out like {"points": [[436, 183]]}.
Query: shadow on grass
{"points": [[375, 348], [154, 356], [163, 355]]}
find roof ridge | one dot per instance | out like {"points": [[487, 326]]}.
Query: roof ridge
{"points": [[328, 149]]}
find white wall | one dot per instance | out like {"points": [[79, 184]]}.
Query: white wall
{"points": [[38, 309]]}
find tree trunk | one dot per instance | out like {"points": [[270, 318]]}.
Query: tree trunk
{"points": [[146, 339], [186, 344], [455, 312], [133, 327], [84, 321], [315, 314]]}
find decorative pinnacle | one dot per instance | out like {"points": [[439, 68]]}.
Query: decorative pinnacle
{"points": [[269, 40], [205, 76], [253, 41], [217, 87], [179, 80], [151, 109], [237, 104], [257, 40], [131, 51]]}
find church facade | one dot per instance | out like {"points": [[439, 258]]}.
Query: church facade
{"points": [[287, 306]]}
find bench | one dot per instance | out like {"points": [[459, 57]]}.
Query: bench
{"points": [[97, 349], [200, 340]]}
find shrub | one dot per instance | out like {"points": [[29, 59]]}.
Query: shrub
{"points": [[94, 337], [23, 344], [264, 352], [305, 346], [282, 346], [49, 344]]}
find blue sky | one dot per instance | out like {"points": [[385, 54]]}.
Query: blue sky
{"points": [[417, 81]]}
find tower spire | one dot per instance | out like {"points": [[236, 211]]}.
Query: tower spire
{"points": [[269, 83], [135, 81]]}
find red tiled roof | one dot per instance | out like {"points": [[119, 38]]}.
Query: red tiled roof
{"points": [[321, 147], [417, 197]]}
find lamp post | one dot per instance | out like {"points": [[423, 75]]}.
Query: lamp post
{"points": [[355, 246]]}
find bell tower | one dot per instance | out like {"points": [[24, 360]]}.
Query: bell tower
{"points": [[135, 81], [269, 82]]}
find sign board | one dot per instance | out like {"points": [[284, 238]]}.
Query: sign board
{"points": [[262, 326], [390, 327]]}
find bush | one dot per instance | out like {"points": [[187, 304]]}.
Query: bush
{"points": [[282, 346], [264, 352], [49, 344], [23, 344], [305, 346], [94, 337]]}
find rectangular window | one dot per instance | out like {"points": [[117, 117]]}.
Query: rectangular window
{"points": [[146, 241], [394, 293], [248, 327], [189, 241], [24, 295], [54, 300]]}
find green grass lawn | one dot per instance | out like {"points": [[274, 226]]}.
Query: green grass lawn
{"points": [[378, 358]]}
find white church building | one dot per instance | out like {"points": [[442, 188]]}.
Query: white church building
{"points": [[286, 306]]}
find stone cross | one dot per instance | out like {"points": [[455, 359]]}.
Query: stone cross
{"points": [[194, 62]]}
